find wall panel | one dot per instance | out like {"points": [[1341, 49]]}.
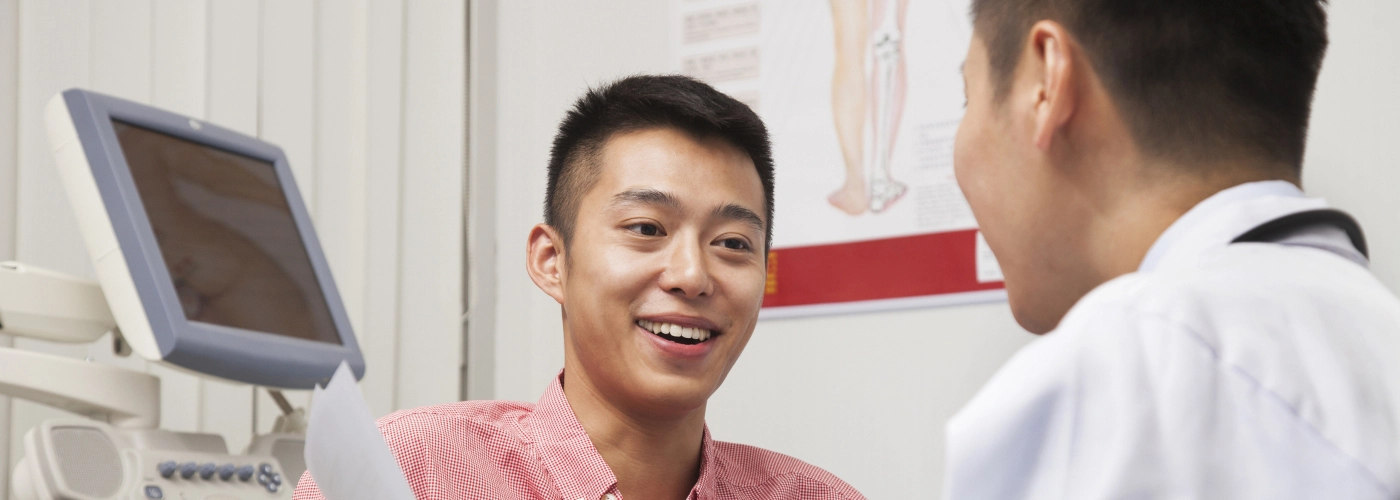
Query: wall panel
{"points": [[9, 82], [9, 71], [482, 240], [378, 333], [233, 65], [121, 49], [179, 49], [430, 285]]}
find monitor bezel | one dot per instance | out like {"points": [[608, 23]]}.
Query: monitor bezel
{"points": [[260, 358]]}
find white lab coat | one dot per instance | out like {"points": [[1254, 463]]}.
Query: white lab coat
{"points": [[1218, 370]]}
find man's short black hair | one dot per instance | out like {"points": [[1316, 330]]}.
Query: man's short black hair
{"points": [[1196, 80], [639, 103]]}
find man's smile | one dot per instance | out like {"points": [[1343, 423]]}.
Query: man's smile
{"points": [[680, 334]]}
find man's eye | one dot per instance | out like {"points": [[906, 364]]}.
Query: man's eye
{"points": [[735, 244], [645, 229]]}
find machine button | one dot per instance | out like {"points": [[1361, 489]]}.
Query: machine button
{"points": [[153, 491], [188, 469], [265, 468], [264, 479], [207, 470], [275, 478], [272, 487], [167, 468], [245, 473], [226, 472]]}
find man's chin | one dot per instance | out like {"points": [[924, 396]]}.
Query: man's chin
{"points": [[1036, 316], [672, 396]]}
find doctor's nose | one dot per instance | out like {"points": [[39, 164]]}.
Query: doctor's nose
{"points": [[686, 273]]}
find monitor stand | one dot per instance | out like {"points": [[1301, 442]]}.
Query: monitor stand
{"points": [[124, 398]]}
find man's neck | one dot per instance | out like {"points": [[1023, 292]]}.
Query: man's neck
{"points": [[654, 458], [1134, 219]]}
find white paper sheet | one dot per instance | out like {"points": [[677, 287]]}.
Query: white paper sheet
{"points": [[345, 452]]}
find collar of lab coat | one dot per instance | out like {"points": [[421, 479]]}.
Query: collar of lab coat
{"points": [[1219, 219]]}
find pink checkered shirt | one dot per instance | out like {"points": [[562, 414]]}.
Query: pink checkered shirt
{"points": [[511, 450]]}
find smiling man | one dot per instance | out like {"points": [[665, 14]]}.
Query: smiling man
{"points": [[654, 244]]}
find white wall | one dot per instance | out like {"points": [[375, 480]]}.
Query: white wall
{"points": [[1353, 156], [367, 97], [864, 396]]}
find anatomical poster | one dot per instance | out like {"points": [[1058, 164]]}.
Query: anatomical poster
{"points": [[862, 99]]}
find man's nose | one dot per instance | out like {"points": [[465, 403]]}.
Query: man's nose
{"points": [[686, 272]]}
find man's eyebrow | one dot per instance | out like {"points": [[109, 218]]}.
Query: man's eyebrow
{"points": [[737, 213], [646, 196]]}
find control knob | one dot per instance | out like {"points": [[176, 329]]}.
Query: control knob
{"points": [[188, 469], [167, 468], [207, 470]]}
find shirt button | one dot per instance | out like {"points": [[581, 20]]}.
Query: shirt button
{"points": [[609, 496]]}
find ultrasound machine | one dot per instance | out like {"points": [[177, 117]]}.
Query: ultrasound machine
{"points": [[206, 260]]}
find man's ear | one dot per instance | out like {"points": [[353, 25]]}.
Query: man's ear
{"points": [[1054, 66], [544, 260]]}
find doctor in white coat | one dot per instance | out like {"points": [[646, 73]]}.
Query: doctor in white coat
{"points": [[1210, 331]]}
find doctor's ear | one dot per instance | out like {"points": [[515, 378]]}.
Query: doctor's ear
{"points": [[1055, 70], [544, 260]]}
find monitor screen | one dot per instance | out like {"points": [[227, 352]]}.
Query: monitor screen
{"points": [[227, 236]]}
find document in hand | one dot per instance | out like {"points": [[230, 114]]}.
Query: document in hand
{"points": [[345, 452]]}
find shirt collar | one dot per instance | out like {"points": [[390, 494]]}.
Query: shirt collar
{"points": [[565, 450], [576, 467], [1219, 219], [705, 487]]}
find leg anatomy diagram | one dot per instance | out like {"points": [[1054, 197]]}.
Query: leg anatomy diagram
{"points": [[868, 90]]}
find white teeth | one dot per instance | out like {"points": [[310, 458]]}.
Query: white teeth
{"points": [[700, 334]]}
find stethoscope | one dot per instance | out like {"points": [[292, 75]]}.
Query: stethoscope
{"points": [[1309, 228]]}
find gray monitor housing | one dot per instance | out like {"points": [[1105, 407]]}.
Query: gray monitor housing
{"points": [[201, 242]]}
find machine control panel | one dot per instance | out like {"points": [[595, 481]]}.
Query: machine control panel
{"points": [[268, 477], [166, 474]]}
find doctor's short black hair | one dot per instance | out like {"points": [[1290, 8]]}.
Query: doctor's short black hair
{"points": [[645, 102], [1196, 80]]}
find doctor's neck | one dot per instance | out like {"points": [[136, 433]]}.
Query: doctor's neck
{"points": [[1106, 223], [1128, 211]]}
